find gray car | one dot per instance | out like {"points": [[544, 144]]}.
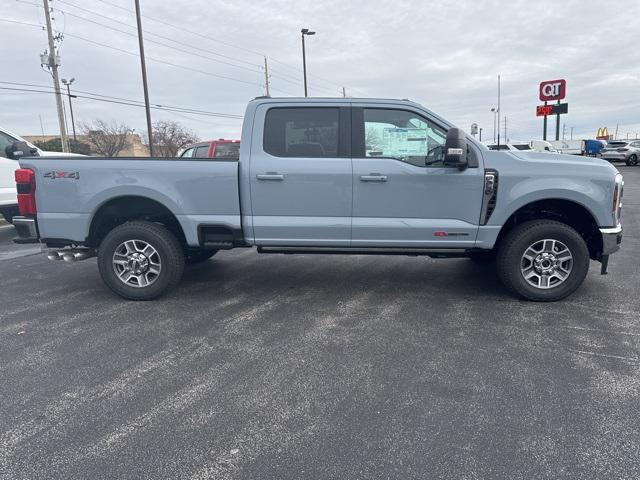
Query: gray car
{"points": [[627, 151]]}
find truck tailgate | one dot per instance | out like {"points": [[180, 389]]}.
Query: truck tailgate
{"points": [[69, 191]]}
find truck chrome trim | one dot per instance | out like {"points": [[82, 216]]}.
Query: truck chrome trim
{"points": [[27, 230], [611, 239]]}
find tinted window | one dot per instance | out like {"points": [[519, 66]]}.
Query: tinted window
{"points": [[5, 141], [227, 150], [522, 147], [502, 147], [404, 136], [187, 153], [301, 132], [201, 152]]}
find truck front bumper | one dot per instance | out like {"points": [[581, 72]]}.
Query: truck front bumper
{"points": [[27, 229], [611, 239]]}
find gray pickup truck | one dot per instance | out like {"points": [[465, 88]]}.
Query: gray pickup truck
{"points": [[348, 176]]}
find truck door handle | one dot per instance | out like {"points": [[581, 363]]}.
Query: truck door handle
{"points": [[270, 176], [374, 177]]}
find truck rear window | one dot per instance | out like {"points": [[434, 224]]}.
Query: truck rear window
{"points": [[227, 150], [302, 132]]}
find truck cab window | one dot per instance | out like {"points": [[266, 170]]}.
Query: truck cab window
{"points": [[201, 152], [404, 136], [188, 153], [302, 132]]}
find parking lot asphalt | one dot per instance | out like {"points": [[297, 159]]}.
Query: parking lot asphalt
{"points": [[271, 366]]}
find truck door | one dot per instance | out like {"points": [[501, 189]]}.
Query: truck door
{"points": [[403, 195], [301, 176]]}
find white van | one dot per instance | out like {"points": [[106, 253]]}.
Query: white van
{"points": [[542, 146]]}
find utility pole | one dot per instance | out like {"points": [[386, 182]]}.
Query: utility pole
{"points": [[53, 65], [564, 130], [73, 123], [615, 136], [144, 78], [480, 134], [571, 133], [344, 92], [266, 76]]}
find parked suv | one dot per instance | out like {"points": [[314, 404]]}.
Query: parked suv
{"points": [[627, 151], [221, 148]]}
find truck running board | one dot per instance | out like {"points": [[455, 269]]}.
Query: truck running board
{"points": [[431, 252]]}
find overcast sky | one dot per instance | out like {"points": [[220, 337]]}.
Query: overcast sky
{"points": [[443, 54]]}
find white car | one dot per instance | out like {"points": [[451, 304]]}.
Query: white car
{"points": [[8, 194], [513, 145]]}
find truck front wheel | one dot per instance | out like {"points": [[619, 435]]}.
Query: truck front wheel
{"points": [[140, 260], [543, 260]]}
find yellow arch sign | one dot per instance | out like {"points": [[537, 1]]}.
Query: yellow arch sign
{"points": [[603, 133]]}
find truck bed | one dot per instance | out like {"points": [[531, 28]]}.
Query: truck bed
{"points": [[70, 190]]}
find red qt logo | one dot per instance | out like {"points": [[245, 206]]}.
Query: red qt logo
{"points": [[553, 90]]}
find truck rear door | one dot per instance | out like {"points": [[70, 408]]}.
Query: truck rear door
{"points": [[300, 175]]}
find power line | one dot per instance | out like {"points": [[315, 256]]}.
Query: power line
{"points": [[192, 32], [283, 77], [136, 103]]}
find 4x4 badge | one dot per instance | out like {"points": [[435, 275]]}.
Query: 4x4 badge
{"points": [[55, 174]]}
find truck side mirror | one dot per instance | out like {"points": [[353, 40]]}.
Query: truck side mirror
{"points": [[455, 149], [17, 150]]}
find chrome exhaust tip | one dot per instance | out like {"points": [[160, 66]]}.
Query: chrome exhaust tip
{"points": [[54, 255], [69, 257], [83, 255]]}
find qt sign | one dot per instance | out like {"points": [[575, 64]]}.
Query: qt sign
{"points": [[553, 90]]}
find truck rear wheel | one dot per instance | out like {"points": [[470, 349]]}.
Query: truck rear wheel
{"points": [[140, 260], [543, 260]]}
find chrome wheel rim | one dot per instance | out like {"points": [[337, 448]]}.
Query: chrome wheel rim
{"points": [[137, 263], [546, 263]]}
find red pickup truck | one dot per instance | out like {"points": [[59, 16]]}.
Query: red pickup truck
{"points": [[220, 148]]}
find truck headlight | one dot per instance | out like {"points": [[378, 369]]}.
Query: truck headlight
{"points": [[616, 204]]}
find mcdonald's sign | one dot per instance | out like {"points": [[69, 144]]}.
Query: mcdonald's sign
{"points": [[603, 134]]}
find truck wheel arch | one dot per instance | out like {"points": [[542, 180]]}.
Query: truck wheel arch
{"points": [[119, 210], [565, 211]]}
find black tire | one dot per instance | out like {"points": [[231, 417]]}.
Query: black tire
{"points": [[198, 256], [167, 249], [632, 160], [510, 259]]}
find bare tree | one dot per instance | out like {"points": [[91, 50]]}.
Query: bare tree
{"points": [[169, 137], [106, 139]]}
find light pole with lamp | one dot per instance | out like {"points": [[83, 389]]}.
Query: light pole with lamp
{"points": [[68, 84], [305, 31]]}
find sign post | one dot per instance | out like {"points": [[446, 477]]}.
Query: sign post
{"points": [[549, 91]]}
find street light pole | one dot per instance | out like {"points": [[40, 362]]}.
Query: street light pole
{"points": [[305, 31], [73, 123], [494, 124]]}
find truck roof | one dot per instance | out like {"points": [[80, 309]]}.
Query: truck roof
{"points": [[347, 100]]}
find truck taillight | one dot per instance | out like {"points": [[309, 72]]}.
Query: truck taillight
{"points": [[26, 185]]}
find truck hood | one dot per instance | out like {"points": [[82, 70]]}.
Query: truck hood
{"points": [[547, 159]]}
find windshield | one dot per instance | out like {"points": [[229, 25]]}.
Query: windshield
{"points": [[502, 147], [522, 147], [227, 150]]}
